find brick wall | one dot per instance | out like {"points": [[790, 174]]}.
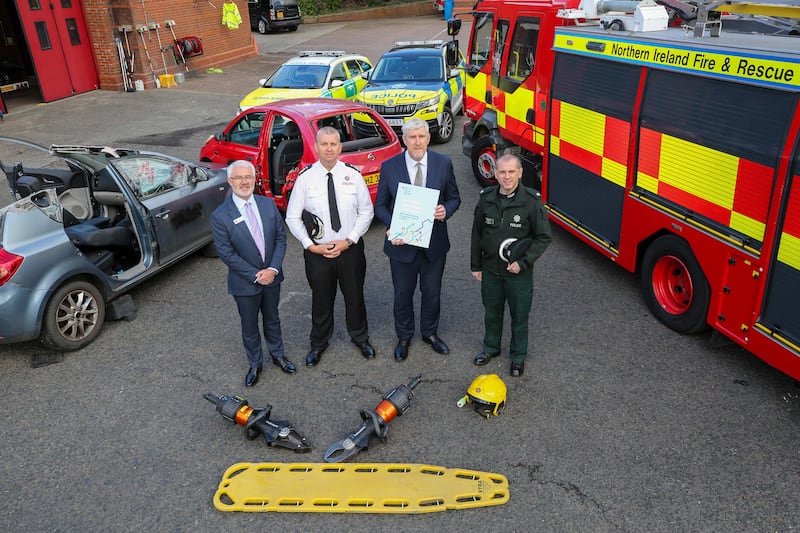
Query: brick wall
{"points": [[200, 18]]}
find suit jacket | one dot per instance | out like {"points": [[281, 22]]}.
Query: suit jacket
{"points": [[439, 176], [238, 250]]}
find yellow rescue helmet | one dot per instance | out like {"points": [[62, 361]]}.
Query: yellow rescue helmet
{"points": [[487, 394]]}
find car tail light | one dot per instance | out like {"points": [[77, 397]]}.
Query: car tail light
{"points": [[9, 264]]}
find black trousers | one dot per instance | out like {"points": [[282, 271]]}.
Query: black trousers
{"points": [[324, 276]]}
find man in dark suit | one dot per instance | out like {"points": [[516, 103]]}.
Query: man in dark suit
{"points": [[418, 166], [250, 239]]}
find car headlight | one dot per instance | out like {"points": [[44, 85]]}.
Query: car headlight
{"points": [[430, 102]]}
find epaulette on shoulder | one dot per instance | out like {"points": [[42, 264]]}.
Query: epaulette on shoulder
{"points": [[351, 166], [488, 189], [304, 169], [533, 192]]}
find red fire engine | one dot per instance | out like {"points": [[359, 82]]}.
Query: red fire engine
{"points": [[673, 151]]}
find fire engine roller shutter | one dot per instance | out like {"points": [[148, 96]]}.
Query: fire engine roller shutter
{"points": [[780, 303], [708, 148], [591, 112]]}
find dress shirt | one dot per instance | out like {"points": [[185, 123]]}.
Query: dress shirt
{"points": [[239, 203], [411, 166], [310, 192]]}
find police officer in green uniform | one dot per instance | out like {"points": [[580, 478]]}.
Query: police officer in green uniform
{"points": [[509, 232]]}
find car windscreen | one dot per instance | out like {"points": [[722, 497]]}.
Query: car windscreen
{"points": [[408, 67], [148, 175], [298, 77]]}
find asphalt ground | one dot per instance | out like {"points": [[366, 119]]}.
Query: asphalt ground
{"points": [[618, 424]]}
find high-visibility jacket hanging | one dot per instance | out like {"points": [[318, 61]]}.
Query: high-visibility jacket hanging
{"points": [[230, 15]]}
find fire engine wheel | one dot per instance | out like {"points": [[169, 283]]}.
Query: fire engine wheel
{"points": [[446, 127], [675, 288], [73, 317], [483, 161]]}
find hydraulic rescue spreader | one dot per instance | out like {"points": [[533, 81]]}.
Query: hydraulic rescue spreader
{"points": [[395, 402], [256, 421]]}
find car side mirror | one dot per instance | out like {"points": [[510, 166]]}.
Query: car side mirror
{"points": [[454, 73], [336, 83], [452, 53], [453, 26]]}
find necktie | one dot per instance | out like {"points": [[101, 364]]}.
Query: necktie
{"points": [[418, 177], [255, 229], [336, 224]]}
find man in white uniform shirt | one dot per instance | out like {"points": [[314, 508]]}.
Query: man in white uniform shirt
{"points": [[336, 194]]}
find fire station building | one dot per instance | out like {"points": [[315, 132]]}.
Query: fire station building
{"points": [[52, 49]]}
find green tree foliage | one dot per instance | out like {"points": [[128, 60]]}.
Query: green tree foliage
{"points": [[313, 8]]}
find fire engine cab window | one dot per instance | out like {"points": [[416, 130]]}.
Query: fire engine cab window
{"points": [[481, 41], [34, 5], [737, 119], [500, 45], [523, 49], [44, 37]]}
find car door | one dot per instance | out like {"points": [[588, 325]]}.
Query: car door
{"points": [[178, 199], [240, 140], [356, 70]]}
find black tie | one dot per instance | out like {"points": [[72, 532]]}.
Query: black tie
{"points": [[336, 224]]}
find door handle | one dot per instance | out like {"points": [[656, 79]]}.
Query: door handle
{"points": [[163, 214]]}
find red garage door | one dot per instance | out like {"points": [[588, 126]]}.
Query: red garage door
{"points": [[59, 46]]}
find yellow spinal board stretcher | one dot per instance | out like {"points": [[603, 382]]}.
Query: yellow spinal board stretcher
{"points": [[356, 488]]}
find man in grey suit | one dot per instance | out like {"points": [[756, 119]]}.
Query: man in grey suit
{"points": [[408, 263], [250, 239]]}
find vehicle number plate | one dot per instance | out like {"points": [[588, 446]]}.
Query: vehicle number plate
{"points": [[395, 121], [280, 14]]}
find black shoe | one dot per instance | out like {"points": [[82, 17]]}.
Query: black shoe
{"points": [[366, 349], [314, 356], [517, 369], [286, 365], [437, 344], [252, 377], [401, 352], [483, 358]]}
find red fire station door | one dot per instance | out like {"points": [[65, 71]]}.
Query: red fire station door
{"points": [[59, 46]]}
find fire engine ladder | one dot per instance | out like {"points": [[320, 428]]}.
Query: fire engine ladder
{"points": [[782, 17], [356, 488]]}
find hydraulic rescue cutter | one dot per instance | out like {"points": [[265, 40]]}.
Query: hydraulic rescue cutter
{"points": [[395, 402], [257, 422]]}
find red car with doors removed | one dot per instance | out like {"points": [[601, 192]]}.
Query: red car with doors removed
{"points": [[279, 139]]}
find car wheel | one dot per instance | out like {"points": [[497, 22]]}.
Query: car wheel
{"points": [[483, 161], [262, 27], [73, 317], [445, 132], [675, 289]]}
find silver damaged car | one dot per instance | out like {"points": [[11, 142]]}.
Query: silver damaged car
{"points": [[77, 238]]}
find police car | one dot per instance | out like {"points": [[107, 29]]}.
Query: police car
{"points": [[318, 73], [422, 79]]}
